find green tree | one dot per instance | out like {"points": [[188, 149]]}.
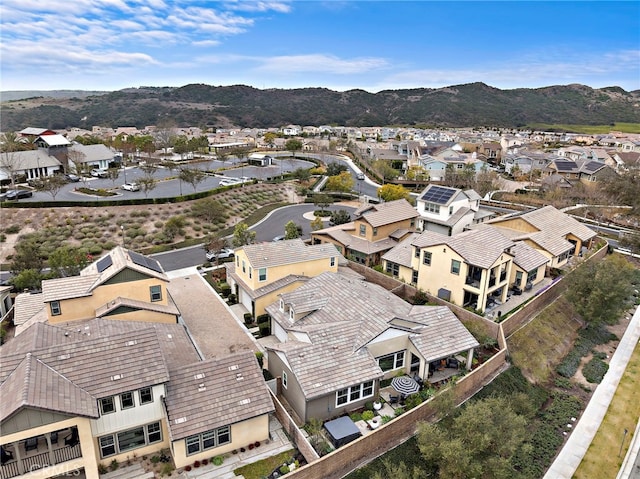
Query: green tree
{"points": [[27, 255], [52, 185], [67, 261], [600, 290], [292, 230], [399, 471], [242, 235], [393, 192], [181, 146], [322, 201], [113, 174], [340, 217], [343, 182], [27, 280], [335, 168], [193, 176], [317, 224], [384, 169], [174, 227], [209, 210], [147, 183], [270, 138], [302, 174], [293, 145]]}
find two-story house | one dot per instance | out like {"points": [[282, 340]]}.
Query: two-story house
{"points": [[123, 284], [340, 335], [449, 210], [262, 271], [375, 229]]}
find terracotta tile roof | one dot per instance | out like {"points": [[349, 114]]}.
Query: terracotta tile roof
{"points": [[342, 315], [216, 392], [276, 253]]}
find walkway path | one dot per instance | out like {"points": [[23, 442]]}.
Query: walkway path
{"points": [[576, 446]]}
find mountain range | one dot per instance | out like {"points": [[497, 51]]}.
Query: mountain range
{"points": [[468, 105]]}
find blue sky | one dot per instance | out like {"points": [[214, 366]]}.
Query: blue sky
{"points": [[340, 45]]}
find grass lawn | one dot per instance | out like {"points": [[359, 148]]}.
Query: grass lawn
{"points": [[591, 129], [260, 469], [603, 458], [538, 347]]}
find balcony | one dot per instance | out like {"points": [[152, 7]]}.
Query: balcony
{"points": [[473, 282], [35, 453]]}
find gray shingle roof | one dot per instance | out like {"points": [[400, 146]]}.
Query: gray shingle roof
{"points": [[344, 315], [214, 393], [276, 253]]}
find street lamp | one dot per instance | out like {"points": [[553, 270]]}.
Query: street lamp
{"points": [[122, 230], [622, 444]]}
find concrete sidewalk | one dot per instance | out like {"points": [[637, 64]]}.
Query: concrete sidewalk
{"points": [[576, 446]]}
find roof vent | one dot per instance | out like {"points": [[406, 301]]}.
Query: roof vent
{"points": [[233, 368], [239, 377], [244, 402], [180, 420], [64, 356], [202, 387], [117, 377], [169, 336], [132, 342], [198, 376]]}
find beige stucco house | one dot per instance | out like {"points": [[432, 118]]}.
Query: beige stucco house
{"points": [[262, 271], [376, 228], [340, 335]]}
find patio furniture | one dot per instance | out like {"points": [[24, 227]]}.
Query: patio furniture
{"points": [[5, 455], [405, 385], [54, 437], [72, 439], [394, 399], [31, 443]]}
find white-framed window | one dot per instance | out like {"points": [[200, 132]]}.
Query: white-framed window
{"points": [[282, 305], [455, 266], [426, 258], [363, 230], [393, 269], [156, 293], [333, 261], [375, 231], [208, 440], [285, 380], [416, 252], [392, 361], [126, 400], [250, 272], [244, 267], [262, 274], [432, 207], [354, 393], [146, 395], [55, 308], [130, 439], [414, 277], [291, 313], [107, 405]]}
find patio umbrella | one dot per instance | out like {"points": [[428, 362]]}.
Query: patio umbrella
{"points": [[405, 385]]}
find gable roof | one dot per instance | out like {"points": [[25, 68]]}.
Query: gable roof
{"points": [[386, 213], [28, 159], [479, 247], [92, 153], [340, 233], [54, 140], [527, 257], [276, 253], [403, 252], [214, 393], [341, 316]]}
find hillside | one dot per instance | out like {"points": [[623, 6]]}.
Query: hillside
{"points": [[469, 105]]}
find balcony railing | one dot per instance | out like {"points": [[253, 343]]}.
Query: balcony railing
{"points": [[39, 461], [472, 282]]}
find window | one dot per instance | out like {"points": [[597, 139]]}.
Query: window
{"points": [[375, 231], [131, 439], [262, 274], [55, 308], [518, 278], [450, 210], [154, 432], [281, 305], [250, 272], [333, 261], [354, 393], [363, 230], [146, 396], [208, 440], [416, 253], [238, 261], [126, 400], [392, 268], [414, 277], [391, 361], [107, 405], [459, 166], [426, 259], [285, 380], [532, 275], [156, 293], [455, 266], [107, 446], [432, 207], [244, 267]]}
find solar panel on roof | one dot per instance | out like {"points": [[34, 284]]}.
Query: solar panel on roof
{"points": [[438, 194], [144, 261], [563, 165], [104, 263]]}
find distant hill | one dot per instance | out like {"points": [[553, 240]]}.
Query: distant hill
{"points": [[474, 104], [23, 94]]}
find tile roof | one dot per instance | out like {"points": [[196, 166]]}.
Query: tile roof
{"points": [[120, 259], [340, 234], [214, 393], [386, 213], [113, 304], [527, 257], [553, 221], [343, 315], [69, 287], [403, 252], [479, 247], [26, 306], [269, 288], [276, 253]]}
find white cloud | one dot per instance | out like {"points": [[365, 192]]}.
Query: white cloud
{"points": [[322, 63]]}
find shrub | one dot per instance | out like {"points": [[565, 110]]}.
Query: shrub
{"points": [[196, 464], [218, 460], [114, 465], [167, 469], [563, 383], [205, 462], [102, 469], [595, 370], [13, 229], [284, 469], [232, 299], [155, 459], [248, 318], [187, 468], [368, 415]]}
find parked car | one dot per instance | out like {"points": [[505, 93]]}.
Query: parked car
{"points": [[360, 176], [98, 173], [222, 254], [131, 187], [72, 178], [278, 238], [229, 181], [16, 194]]}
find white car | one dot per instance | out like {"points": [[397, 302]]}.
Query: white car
{"points": [[131, 187], [98, 173], [222, 254]]}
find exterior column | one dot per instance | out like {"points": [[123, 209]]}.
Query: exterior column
{"points": [[52, 458], [469, 359], [18, 458]]}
